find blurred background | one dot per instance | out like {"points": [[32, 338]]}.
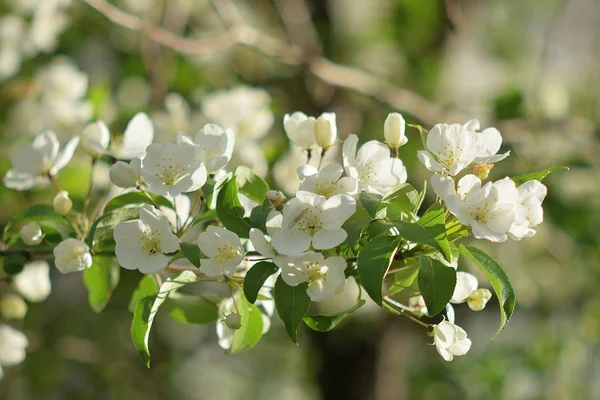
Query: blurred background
{"points": [[529, 68]]}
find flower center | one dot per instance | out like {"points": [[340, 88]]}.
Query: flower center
{"points": [[366, 172], [314, 272], [326, 189], [448, 155], [310, 222], [226, 252], [150, 243], [480, 213], [171, 174]]}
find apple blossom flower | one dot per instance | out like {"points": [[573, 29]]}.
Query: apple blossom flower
{"points": [[450, 149], [145, 243], [126, 175], [326, 130], [62, 203], [214, 146], [300, 129], [394, 130], [32, 164], [478, 299], [95, 138], [325, 276], [31, 234], [275, 198], [466, 291], [12, 346], [72, 255], [172, 169], [12, 306], [138, 135], [489, 142], [489, 210], [33, 282], [450, 340], [372, 165], [224, 251], [529, 212], [311, 219], [327, 182]]}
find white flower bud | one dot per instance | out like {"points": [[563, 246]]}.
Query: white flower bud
{"points": [[326, 130], [33, 282], [394, 130], [72, 255], [233, 321], [300, 129], [478, 299], [31, 234], [62, 203], [125, 175], [450, 340], [13, 306], [275, 198]]}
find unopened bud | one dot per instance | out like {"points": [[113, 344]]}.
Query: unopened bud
{"points": [[275, 198], [326, 130], [394, 130], [478, 299], [62, 203], [233, 321], [31, 234], [482, 170], [125, 175], [13, 306]]}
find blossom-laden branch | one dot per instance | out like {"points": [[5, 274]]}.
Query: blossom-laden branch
{"points": [[239, 33]]}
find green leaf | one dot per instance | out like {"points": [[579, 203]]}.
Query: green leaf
{"points": [[146, 287], [191, 251], [109, 221], [146, 310], [355, 225], [325, 323], [251, 184], [370, 202], [537, 176], [292, 304], [500, 282], [101, 279], [401, 199], [373, 263], [252, 327], [404, 279], [38, 212], [436, 284], [430, 230], [135, 198], [256, 277], [259, 214], [190, 309], [422, 133], [14, 264], [230, 210]]}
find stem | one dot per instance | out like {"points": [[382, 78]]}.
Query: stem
{"points": [[401, 268], [101, 199], [88, 196], [149, 197], [399, 308], [322, 157], [53, 181]]}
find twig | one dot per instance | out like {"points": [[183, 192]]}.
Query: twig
{"points": [[399, 308]]}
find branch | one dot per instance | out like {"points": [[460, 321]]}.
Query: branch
{"points": [[327, 71]]}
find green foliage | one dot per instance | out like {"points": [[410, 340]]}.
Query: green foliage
{"points": [[256, 277], [14, 264], [192, 309], [404, 278], [230, 210], [251, 184], [292, 304], [38, 213], [191, 251], [500, 282], [101, 279], [136, 198], [325, 323], [146, 287], [370, 202], [355, 225], [537, 176], [251, 330], [373, 263], [436, 284], [108, 222], [401, 200], [429, 230]]}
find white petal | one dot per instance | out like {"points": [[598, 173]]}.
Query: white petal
{"points": [[138, 135], [65, 155], [260, 243], [328, 238]]}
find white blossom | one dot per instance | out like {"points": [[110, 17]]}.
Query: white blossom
{"points": [[528, 211], [325, 276], [478, 299], [300, 129], [172, 169], [12, 346], [61, 203], [32, 164], [223, 249], [13, 306], [33, 282], [327, 182], [125, 175], [31, 234], [394, 130], [465, 285], [450, 149], [138, 135], [72, 255], [95, 138], [372, 165], [311, 219], [489, 142], [489, 210], [326, 130], [214, 146], [450, 340], [145, 243]]}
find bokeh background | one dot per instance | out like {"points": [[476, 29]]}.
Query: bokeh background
{"points": [[529, 68]]}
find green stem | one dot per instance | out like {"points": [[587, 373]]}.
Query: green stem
{"points": [[399, 308], [88, 196]]}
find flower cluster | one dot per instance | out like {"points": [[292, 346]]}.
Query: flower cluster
{"points": [[184, 214]]}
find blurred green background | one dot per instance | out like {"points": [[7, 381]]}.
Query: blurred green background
{"points": [[529, 68]]}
